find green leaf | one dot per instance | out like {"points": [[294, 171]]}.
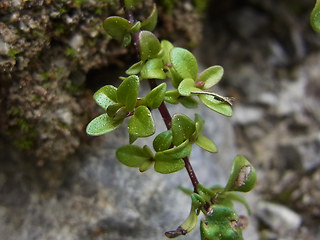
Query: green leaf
{"points": [[190, 223], [211, 76], [172, 96], [116, 27], [216, 105], [218, 224], [146, 165], [162, 141], [186, 191], [166, 47], [113, 108], [174, 77], [206, 144], [187, 86], [126, 40], [131, 3], [151, 22], [315, 17], [121, 113], [184, 63], [131, 155], [149, 45], [156, 96], [127, 92], [206, 193], [141, 123], [166, 166], [188, 102], [135, 68], [243, 176], [236, 197], [182, 128], [102, 124], [181, 151], [153, 69], [106, 96], [135, 28], [199, 122], [148, 151]]}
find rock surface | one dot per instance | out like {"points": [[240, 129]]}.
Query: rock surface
{"points": [[54, 54], [99, 198]]}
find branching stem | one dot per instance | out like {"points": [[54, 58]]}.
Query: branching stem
{"points": [[163, 108]]}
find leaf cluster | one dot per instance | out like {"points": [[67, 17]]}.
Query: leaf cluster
{"points": [[171, 148], [221, 221], [159, 60]]}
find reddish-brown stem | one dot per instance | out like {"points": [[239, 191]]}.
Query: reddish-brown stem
{"points": [[135, 36], [163, 108]]}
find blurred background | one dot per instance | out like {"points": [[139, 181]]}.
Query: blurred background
{"points": [[58, 183]]}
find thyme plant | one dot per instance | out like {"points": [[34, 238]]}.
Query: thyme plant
{"points": [[172, 147]]}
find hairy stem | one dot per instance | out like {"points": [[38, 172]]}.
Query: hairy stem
{"points": [[163, 108]]}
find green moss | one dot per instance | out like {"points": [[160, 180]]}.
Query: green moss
{"points": [[24, 143], [15, 111], [13, 52], [168, 5], [45, 76], [201, 5], [71, 87], [36, 98], [63, 10], [60, 29], [70, 52], [79, 3], [23, 133]]}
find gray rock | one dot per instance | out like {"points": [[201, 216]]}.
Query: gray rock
{"points": [[280, 218], [101, 199]]}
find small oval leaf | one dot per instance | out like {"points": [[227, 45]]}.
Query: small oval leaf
{"points": [[151, 22], [102, 124], [211, 76], [141, 123], [106, 96], [174, 77], [116, 27], [184, 62], [135, 28], [162, 141], [182, 128], [131, 155], [145, 165], [153, 69], [243, 176], [172, 96], [199, 125], [135, 68], [156, 96], [188, 102], [206, 144], [113, 108], [166, 166], [216, 105], [149, 45], [187, 86], [220, 224], [181, 151], [166, 48], [127, 92]]}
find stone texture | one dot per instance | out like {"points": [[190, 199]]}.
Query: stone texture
{"points": [[101, 199]]}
